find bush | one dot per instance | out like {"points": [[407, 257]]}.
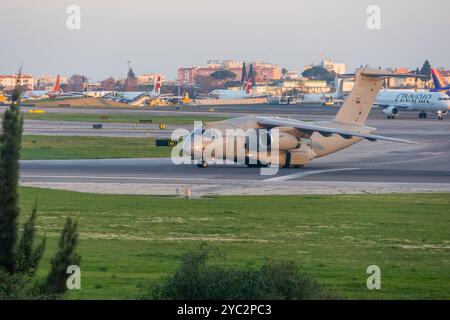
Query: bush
{"points": [[195, 279], [18, 287]]}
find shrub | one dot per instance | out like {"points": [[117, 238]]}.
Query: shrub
{"points": [[196, 279]]}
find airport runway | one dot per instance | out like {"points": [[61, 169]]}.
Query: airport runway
{"points": [[304, 111], [365, 167]]}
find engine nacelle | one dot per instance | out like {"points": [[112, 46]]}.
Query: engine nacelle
{"points": [[283, 141], [390, 112]]}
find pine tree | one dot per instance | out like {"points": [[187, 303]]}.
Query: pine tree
{"points": [[66, 256], [10, 141], [426, 70], [28, 256]]}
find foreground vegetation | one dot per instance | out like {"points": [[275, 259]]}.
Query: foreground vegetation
{"points": [[121, 118], [129, 241], [73, 147], [20, 253], [197, 279]]}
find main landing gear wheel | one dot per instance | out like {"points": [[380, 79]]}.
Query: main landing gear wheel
{"points": [[257, 165], [391, 117], [441, 117], [423, 115], [202, 164]]}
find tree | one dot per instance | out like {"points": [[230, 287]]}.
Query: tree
{"points": [[223, 75], [10, 141], [131, 81], [28, 256], [66, 256], [426, 70], [18, 262], [18, 287], [76, 83], [319, 73], [284, 72]]}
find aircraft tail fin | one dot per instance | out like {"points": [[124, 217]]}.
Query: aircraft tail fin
{"points": [[339, 87], [368, 83], [58, 84], [157, 86], [249, 86], [438, 79], [244, 74], [244, 85]]}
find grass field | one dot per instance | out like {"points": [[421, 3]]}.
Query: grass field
{"points": [[130, 240], [121, 118], [71, 147]]}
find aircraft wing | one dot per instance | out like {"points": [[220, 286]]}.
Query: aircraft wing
{"points": [[309, 129]]}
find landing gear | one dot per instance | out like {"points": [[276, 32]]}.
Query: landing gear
{"points": [[202, 164], [440, 117], [423, 115], [259, 164], [391, 117]]}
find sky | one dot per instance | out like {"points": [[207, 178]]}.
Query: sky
{"points": [[160, 36]]}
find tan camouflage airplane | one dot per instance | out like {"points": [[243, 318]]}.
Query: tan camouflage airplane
{"points": [[298, 142]]}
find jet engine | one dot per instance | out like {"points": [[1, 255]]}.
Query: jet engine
{"points": [[286, 141], [391, 112]]}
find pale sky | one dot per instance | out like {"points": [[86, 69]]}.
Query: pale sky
{"points": [[160, 36]]}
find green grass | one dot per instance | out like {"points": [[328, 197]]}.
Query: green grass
{"points": [[121, 118], [71, 147], [129, 240]]}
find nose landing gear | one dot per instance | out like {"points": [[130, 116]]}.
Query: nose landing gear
{"points": [[202, 164]]}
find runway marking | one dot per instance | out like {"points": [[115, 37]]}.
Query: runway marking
{"points": [[306, 173], [405, 161], [109, 177]]}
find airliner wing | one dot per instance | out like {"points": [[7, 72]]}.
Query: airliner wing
{"points": [[309, 129]]}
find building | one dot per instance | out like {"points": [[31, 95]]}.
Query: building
{"points": [[411, 82], [292, 75], [263, 72], [47, 82], [8, 82], [329, 65], [148, 79], [186, 75], [225, 64]]}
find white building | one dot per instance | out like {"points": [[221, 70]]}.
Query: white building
{"points": [[8, 81], [329, 65]]}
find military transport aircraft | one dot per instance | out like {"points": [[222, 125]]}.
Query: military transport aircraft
{"points": [[298, 142]]}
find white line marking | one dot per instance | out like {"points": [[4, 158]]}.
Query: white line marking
{"points": [[405, 161], [306, 173], [109, 177]]}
